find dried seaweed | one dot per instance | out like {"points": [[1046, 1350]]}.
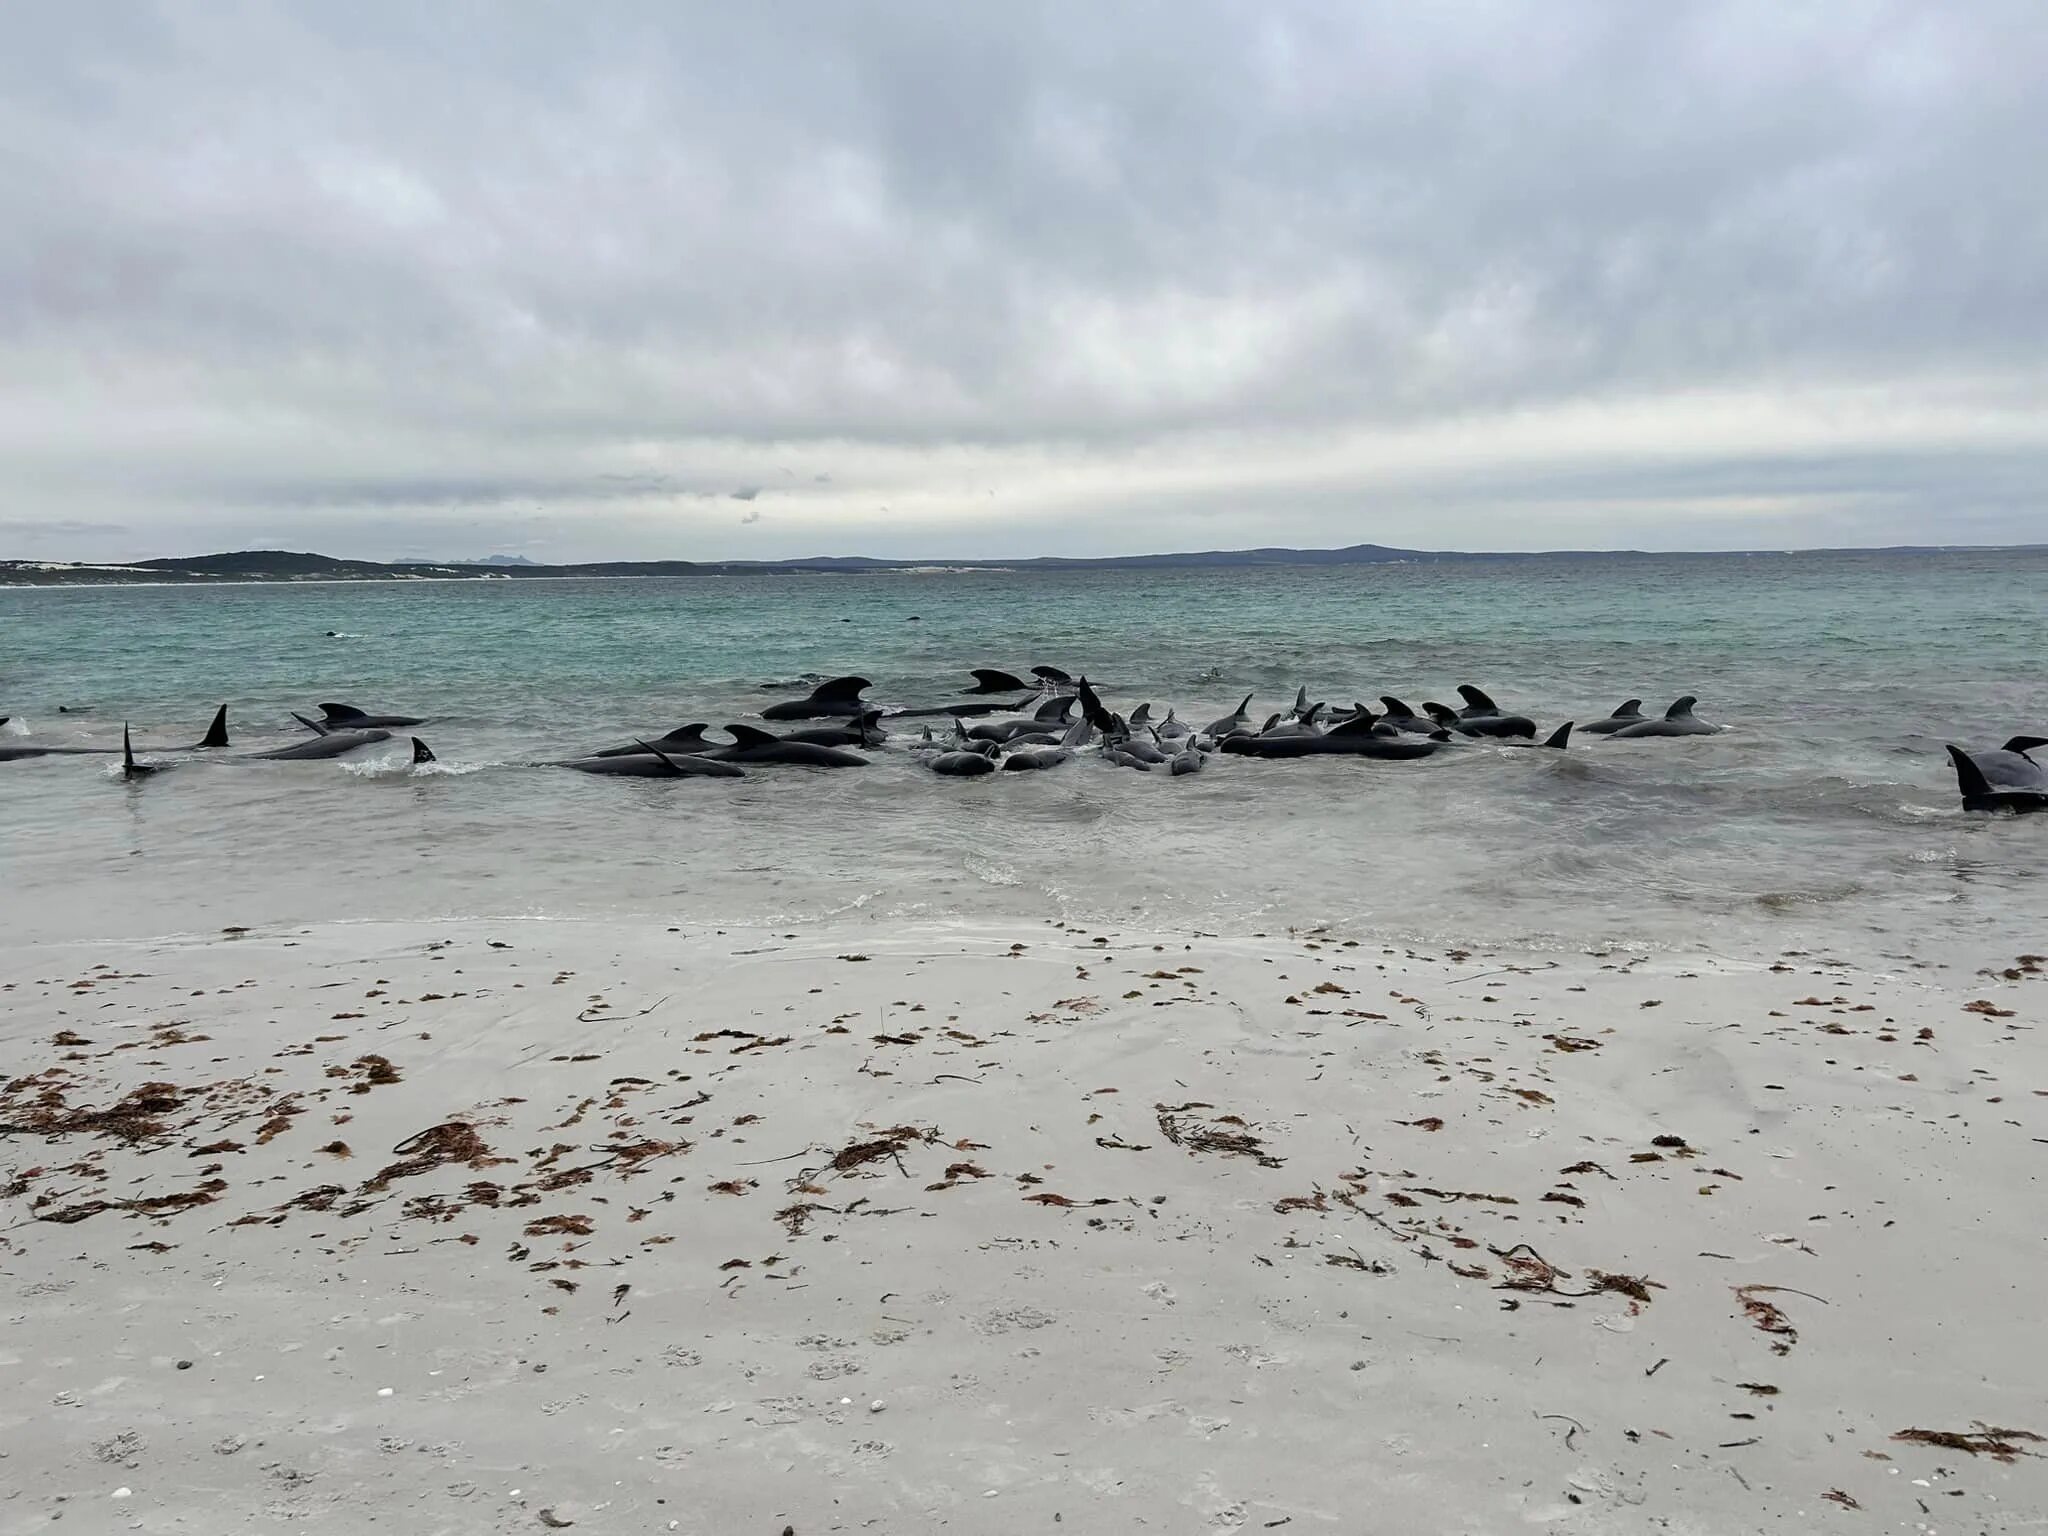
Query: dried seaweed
{"points": [[1984, 1440], [561, 1226], [889, 1144], [1187, 1131], [137, 1116], [453, 1141], [1768, 1316], [1527, 1269]]}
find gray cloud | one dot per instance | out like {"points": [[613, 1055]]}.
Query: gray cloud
{"points": [[1491, 276]]}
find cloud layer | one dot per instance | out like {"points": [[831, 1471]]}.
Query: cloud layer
{"points": [[702, 281]]}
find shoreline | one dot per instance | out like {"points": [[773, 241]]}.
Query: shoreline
{"points": [[456, 1222]]}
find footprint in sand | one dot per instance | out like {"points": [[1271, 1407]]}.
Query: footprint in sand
{"points": [[1005, 1319]]}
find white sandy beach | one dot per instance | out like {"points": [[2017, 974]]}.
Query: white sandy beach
{"points": [[509, 1226]]}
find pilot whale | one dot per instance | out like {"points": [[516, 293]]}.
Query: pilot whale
{"points": [[1678, 720], [1629, 713], [838, 697], [1980, 794]]}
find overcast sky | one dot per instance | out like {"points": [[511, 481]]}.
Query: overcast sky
{"points": [[727, 280]]}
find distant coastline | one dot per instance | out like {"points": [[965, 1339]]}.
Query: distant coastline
{"points": [[273, 565]]}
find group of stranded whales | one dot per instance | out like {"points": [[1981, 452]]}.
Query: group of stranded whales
{"points": [[1037, 724]]}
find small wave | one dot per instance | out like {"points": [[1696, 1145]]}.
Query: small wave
{"points": [[1793, 901], [992, 872], [405, 768], [14, 725]]}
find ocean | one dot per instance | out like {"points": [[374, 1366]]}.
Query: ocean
{"points": [[1825, 819]]}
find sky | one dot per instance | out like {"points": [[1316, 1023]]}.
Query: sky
{"points": [[717, 281]]}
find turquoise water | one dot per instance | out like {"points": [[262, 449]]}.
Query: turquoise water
{"points": [[1825, 817]]}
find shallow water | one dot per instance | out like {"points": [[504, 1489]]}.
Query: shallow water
{"points": [[1825, 818]]}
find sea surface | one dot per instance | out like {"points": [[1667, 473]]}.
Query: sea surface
{"points": [[1824, 819]]}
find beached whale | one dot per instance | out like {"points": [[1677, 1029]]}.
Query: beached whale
{"points": [[650, 762], [346, 717], [1356, 737], [1629, 713], [835, 698], [1678, 720], [1050, 715], [1036, 758], [216, 736], [1236, 720], [1482, 717], [1302, 723], [751, 745], [332, 744], [1402, 718], [1558, 738], [865, 732], [963, 762], [1980, 794], [2009, 767], [683, 740]]}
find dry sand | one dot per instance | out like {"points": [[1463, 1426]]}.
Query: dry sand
{"points": [[508, 1226]]}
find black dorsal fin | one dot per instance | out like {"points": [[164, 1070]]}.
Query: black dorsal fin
{"points": [[2024, 744], [127, 753], [1478, 698], [655, 751], [1681, 708], [1969, 777], [421, 752], [841, 688], [1631, 709], [1396, 707], [1051, 674], [694, 731], [994, 681], [1360, 724], [1438, 712], [1271, 721], [340, 712], [1560, 736], [750, 736], [217, 733], [1055, 709]]}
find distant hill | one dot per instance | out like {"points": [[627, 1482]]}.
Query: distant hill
{"points": [[287, 565]]}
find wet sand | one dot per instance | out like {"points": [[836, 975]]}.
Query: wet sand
{"points": [[503, 1226]]}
